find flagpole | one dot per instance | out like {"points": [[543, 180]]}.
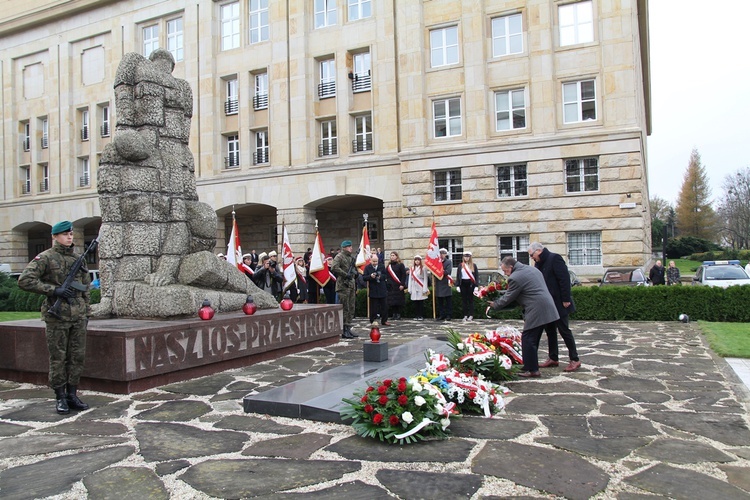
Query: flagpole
{"points": [[367, 229]]}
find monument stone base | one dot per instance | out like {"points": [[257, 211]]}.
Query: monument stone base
{"points": [[375, 351], [131, 355]]}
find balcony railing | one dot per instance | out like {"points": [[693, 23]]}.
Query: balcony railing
{"points": [[361, 82], [359, 145], [84, 181], [232, 161], [105, 130], [260, 101], [328, 148], [260, 156], [327, 89], [26, 143], [85, 133], [45, 142], [44, 186], [26, 187], [231, 106]]}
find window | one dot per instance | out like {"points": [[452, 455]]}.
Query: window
{"points": [[585, 249], [327, 86], [26, 136], [230, 26], [511, 180], [258, 21], [44, 183], [45, 133], [507, 35], [447, 185], [447, 117], [150, 39], [359, 9], [510, 109], [361, 81], [325, 13], [579, 101], [174, 38], [455, 247], [25, 180], [233, 152], [576, 23], [105, 121], [362, 133], [514, 246], [261, 147], [85, 125], [444, 46], [582, 175], [84, 171], [231, 105], [260, 96], [328, 140]]}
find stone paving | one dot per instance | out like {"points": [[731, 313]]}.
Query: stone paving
{"points": [[651, 413]]}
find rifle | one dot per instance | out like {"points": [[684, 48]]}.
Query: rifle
{"points": [[70, 280]]}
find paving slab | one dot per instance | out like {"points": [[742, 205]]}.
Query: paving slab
{"points": [[251, 423], [609, 449], [568, 404], [416, 484], [354, 490], [443, 451], [678, 451], [40, 445], [500, 427], [89, 428], [682, 483], [159, 442], [204, 386], [176, 411], [729, 429], [125, 483], [299, 446], [620, 426], [7, 429]]}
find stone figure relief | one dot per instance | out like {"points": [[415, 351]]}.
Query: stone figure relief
{"points": [[157, 238]]}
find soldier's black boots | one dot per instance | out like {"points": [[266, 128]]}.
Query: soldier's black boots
{"points": [[73, 402], [348, 334], [62, 401]]}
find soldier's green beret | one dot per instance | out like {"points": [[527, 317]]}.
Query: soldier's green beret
{"points": [[62, 227], [346, 243]]}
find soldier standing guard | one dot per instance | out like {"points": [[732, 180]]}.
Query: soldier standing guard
{"points": [[66, 336], [344, 270]]}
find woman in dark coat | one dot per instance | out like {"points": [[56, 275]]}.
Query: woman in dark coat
{"points": [[374, 276], [396, 286], [467, 275]]}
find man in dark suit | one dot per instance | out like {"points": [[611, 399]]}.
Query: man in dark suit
{"points": [[556, 277], [527, 288]]}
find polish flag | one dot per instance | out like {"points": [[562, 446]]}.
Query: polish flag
{"points": [[234, 251], [432, 258], [290, 272], [318, 267], [363, 257]]}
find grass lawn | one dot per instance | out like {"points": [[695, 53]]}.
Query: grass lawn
{"points": [[728, 340], [12, 316]]}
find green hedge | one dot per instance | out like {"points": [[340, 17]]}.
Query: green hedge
{"points": [[653, 303]]}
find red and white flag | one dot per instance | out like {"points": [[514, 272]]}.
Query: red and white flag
{"points": [[234, 251], [363, 257], [318, 267], [290, 272], [432, 258]]}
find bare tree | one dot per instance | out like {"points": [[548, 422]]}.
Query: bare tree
{"points": [[734, 210], [695, 215]]}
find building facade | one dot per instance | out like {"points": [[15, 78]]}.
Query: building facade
{"points": [[503, 121]]}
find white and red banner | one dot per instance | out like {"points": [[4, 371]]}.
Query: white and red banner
{"points": [[432, 258], [234, 251], [363, 257], [318, 266], [290, 271]]}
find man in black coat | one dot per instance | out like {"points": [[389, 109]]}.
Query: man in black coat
{"points": [[375, 276], [556, 277]]}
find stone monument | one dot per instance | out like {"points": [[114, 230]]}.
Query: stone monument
{"points": [[156, 240]]}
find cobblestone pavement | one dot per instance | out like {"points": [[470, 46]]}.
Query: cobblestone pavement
{"points": [[651, 412]]}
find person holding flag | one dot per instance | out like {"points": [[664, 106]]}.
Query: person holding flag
{"points": [[234, 249], [319, 270], [363, 256], [466, 277], [289, 269]]}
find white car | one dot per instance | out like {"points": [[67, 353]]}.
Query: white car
{"points": [[721, 273]]}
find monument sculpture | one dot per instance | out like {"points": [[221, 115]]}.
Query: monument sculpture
{"points": [[157, 239]]}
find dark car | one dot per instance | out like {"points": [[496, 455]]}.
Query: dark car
{"points": [[624, 276]]}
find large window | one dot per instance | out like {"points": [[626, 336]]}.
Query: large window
{"points": [[328, 138], [455, 247], [361, 81], [150, 39], [230, 26], [447, 117], [516, 246], [362, 133], [45, 133], [582, 175], [26, 136], [84, 172], [260, 155], [576, 23], [447, 185], [85, 125], [175, 39], [579, 101], [585, 249], [510, 109], [260, 95], [507, 35], [327, 85], [232, 159], [325, 13], [511, 180], [258, 21], [359, 9], [232, 104], [444, 46], [104, 128]]}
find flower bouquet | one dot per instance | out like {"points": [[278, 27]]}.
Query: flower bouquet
{"points": [[471, 393], [399, 411], [485, 354], [492, 290]]}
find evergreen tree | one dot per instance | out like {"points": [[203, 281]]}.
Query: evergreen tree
{"points": [[695, 215]]}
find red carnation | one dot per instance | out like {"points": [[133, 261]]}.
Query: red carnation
{"points": [[377, 418], [401, 386], [382, 389], [393, 420], [368, 408], [370, 389], [402, 379], [403, 400], [383, 400], [364, 399], [472, 394], [387, 382]]}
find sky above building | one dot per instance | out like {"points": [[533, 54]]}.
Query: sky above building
{"points": [[700, 91]]}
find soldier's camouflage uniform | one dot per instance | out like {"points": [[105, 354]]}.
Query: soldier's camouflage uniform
{"points": [[346, 285], [66, 337]]}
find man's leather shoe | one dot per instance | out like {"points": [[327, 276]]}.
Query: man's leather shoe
{"points": [[573, 366], [530, 374], [549, 363], [347, 335]]}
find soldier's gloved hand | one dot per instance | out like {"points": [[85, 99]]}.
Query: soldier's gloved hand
{"points": [[63, 293]]}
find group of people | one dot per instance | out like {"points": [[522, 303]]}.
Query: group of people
{"points": [[660, 276]]}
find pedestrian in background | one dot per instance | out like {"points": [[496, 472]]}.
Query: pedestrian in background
{"points": [[418, 286], [466, 277], [673, 274], [656, 274]]}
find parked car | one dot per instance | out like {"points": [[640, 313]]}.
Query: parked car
{"points": [[624, 276], [721, 273]]}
